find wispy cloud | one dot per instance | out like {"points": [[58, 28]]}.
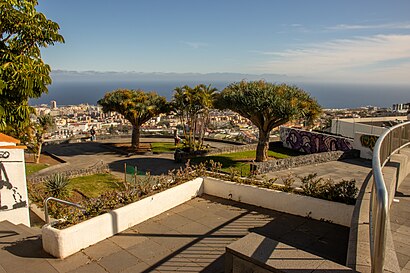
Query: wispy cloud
{"points": [[402, 25], [195, 45], [348, 58]]}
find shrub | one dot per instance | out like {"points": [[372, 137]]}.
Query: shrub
{"points": [[288, 182], [344, 191], [57, 186]]}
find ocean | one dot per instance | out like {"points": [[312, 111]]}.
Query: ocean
{"points": [[328, 95]]}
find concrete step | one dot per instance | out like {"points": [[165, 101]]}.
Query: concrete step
{"points": [[29, 230], [10, 232]]}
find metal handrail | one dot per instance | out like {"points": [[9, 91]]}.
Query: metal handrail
{"points": [[47, 218], [391, 141]]}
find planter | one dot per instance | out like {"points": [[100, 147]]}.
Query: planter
{"points": [[182, 156], [65, 242], [337, 213]]}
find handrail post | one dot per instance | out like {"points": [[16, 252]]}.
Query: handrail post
{"points": [[46, 216]]}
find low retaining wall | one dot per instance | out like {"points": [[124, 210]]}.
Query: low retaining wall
{"points": [[313, 142], [234, 149], [181, 156], [100, 167], [358, 254], [295, 204], [302, 160], [65, 242]]}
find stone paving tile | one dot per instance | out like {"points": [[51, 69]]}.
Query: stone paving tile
{"points": [[101, 249], [139, 267], [149, 251], [298, 239], [193, 228], [118, 261], [400, 222], [89, 268], [70, 263], [212, 221], [173, 222], [154, 227], [173, 241], [177, 264], [192, 213], [403, 259], [127, 239]]}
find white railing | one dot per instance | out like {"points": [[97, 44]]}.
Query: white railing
{"points": [[390, 142]]}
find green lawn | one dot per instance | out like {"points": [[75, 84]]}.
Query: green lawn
{"points": [[95, 185], [239, 162], [33, 167], [163, 147]]}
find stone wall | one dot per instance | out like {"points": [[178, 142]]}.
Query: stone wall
{"points": [[181, 156], [313, 142], [302, 160], [234, 149], [99, 167]]}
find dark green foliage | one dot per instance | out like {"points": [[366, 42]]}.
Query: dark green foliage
{"points": [[192, 106], [57, 186], [23, 74], [344, 191], [136, 106], [267, 106]]}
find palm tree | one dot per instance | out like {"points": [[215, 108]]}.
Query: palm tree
{"points": [[192, 106]]}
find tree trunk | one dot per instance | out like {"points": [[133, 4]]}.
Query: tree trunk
{"points": [[263, 146], [135, 139], [40, 145]]}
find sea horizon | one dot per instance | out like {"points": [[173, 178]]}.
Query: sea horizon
{"points": [[328, 95]]}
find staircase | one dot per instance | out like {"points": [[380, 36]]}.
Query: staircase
{"points": [[10, 232], [21, 249]]}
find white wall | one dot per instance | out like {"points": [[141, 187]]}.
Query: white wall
{"points": [[349, 127], [13, 187], [365, 151]]}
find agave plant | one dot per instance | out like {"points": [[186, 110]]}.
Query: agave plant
{"points": [[57, 186]]}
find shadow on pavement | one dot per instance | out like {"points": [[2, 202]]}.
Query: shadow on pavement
{"points": [[154, 165], [30, 247]]}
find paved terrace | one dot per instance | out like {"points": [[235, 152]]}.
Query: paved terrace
{"points": [[188, 238], [400, 225]]}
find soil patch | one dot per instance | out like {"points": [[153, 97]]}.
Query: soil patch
{"points": [[44, 158]]}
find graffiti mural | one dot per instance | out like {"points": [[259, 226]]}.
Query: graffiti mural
{"points": [[6, 184], [368, 141], [311, 142]]}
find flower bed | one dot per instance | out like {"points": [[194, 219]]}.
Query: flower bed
{"points": [[65, 242]]}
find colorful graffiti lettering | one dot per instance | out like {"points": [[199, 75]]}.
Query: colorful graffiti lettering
{"points": [[310, 142], [368, 141]]}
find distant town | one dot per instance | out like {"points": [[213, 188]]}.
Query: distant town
{"points": [[76, 121]]}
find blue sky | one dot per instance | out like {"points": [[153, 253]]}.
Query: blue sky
{"points": [[329, 40]]}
